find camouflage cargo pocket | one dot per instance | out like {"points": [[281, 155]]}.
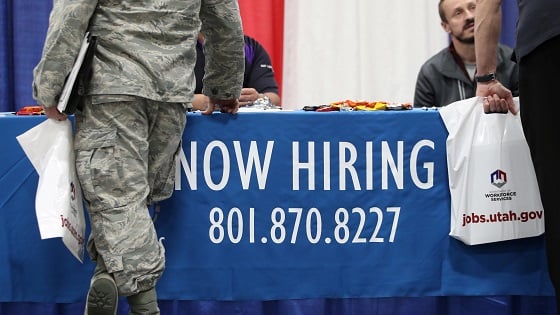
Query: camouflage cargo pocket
{"points": [[98, 165]]}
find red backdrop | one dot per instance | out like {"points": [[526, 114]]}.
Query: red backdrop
{"points": [[264, 21]]}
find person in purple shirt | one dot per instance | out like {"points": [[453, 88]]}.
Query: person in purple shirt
{"points": [[259, 82]]}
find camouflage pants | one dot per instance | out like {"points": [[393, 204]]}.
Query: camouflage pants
{"points": [[125, 153]]}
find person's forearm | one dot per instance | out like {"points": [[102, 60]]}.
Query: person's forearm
{"points": [[488, 22], [200, 101], [273, 97]]}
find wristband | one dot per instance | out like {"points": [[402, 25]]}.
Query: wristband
{"points": [[485, 78]]}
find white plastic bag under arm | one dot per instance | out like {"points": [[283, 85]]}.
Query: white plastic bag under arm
{"points": [[58, 202], [494, 191]]}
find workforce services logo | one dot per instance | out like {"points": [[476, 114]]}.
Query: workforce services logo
{"points": [[498, 178]]}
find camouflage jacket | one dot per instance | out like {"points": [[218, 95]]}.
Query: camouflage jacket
{"points": [[145, 48]]}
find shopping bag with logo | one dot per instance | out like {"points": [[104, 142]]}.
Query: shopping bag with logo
{"points": [[58, 202], [494, 191]]}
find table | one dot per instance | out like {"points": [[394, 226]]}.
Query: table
{"points": [[287, 205]]}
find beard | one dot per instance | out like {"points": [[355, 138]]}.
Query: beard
{"points": [[466, 39], [467, 36]]}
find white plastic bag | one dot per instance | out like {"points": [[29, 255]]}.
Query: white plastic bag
{"points": [[494, 191], [58, 202]]}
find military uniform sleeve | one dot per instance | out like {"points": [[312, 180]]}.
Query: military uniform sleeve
{"points": [[223, 48], [68, 23]]}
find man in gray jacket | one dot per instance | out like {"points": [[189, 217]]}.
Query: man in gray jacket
{"points": [[448, 76], [130, 125]]}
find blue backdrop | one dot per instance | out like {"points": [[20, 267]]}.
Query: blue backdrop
{"points": [[228, 254], [23, 27]]}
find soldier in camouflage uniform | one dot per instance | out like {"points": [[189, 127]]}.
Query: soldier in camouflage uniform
{"points": [[129, 127]]}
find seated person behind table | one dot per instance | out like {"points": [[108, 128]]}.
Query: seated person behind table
{"points": [[258, 81], [448, 76]]}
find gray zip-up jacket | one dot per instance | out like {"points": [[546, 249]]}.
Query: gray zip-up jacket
{"points": [[145, 48], [442, 79]]}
